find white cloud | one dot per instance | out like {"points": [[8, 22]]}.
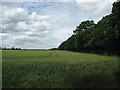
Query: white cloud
{"points": [[22, 26], [35, 17], [46, 25], [22, 20], [96, 0], [13, 15], [3, 34], [57, 0], [95, 9]]}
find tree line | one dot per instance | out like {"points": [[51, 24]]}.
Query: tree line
{"points": [[13, 48], [100, 38]]}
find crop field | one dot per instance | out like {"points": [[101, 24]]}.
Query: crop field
{"points": [[58, 69]]}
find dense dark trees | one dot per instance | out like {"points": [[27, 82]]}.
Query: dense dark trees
{"points": [[69, 44], [101, 38]]}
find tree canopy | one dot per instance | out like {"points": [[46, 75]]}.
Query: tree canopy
{"points": [[103, 37]]}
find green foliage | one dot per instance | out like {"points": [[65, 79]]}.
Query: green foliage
{"points": [[57, 69], [69, 44], [83, 26], [103, 37]]}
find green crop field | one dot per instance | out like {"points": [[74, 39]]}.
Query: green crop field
{"points": [[57, 69]]}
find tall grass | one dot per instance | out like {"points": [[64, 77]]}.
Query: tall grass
{"points": [[58, 69]]}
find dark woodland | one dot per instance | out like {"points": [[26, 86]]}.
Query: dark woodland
{"points": [[101, 38]]}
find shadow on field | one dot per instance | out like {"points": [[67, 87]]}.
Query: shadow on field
{"points": [[94, 81], [117, 74]]}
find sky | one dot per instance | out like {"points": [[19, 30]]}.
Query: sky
{"points": [[43, 24]]}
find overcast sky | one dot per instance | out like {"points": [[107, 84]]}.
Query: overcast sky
{"points": [[45, 24]]}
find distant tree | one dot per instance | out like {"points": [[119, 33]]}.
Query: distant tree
{"points": [[54, 49], [16, 48], [12, 48], [4, 48], [19, 48]]}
